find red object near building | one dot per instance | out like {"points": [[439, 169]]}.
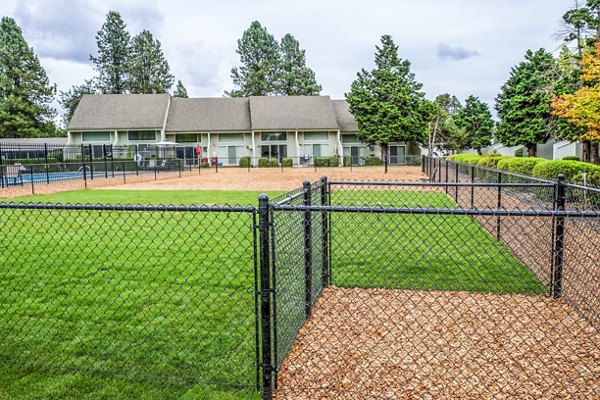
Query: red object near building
{"points": [[198, 150]]}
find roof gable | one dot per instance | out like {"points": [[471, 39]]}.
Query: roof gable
{"points": [[209, 115], [120, 111], [292, 112], [345, 119]]}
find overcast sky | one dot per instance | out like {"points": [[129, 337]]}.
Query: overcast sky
{"points": [[461, 47]]}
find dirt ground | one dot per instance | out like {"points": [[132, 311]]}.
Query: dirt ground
{"points": [[401, 344], [226, 179]]}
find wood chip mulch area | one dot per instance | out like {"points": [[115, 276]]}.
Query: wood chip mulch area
{"points": [[401, 344]]}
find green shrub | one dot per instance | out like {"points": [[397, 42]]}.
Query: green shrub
{"points": [[571, 158], [465, 158], [263, 162], [572, 170], [372, 161], [245, 162], [322, 161], [519, 165], [334, 161], [347, 161], [273, 163], [519, 152], [287, 162], [490, 161]]}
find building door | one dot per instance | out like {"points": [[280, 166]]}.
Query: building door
{"points": [[397, 154]]}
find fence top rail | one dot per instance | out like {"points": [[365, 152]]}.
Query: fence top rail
{"points": [[128, 207], [446, 184], [582, 187], [440, 211]]}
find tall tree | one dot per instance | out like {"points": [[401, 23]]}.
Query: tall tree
{"points": [[113, 42], [582, 108], [387, 102], [295, 78], [441, 125], [523, 104], [578, 26], [259, 55], [69, 100], [25, 90], [147, 68], [475, 118], [180, 90]]}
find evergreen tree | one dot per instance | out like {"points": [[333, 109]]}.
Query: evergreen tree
{"points": [[387, 102], [259, 55], [475, 118], [180, 90], [113, 51], [147, 68], [69, 100], [295, 78], [523, 104], [25, 90], [441, 125]]}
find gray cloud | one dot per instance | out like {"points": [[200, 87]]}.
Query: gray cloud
{"points": [[60, 29], [457, 53]]}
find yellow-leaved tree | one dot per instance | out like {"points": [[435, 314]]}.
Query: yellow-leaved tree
{"points": [[582, 108]]}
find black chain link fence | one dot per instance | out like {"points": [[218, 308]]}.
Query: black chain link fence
{"points": [[446, 288], [159, 295], [442, 289]]}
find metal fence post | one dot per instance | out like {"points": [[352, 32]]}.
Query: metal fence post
{"points": [[265, 295], [105, 161], [46, 158], [446, 166], [91, 163], [324, 235], [307, 220], [1, 169], [559, 239], [124, 174], [456, 181], [498, 221], [472, 186], [423, 163]]}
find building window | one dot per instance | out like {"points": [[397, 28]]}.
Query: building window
{"points": [[316, 136], [316, 150], [187, 138], [141, 135], [273, 136], [277, 151], [231, 138], [95, 137], [350, 139]]}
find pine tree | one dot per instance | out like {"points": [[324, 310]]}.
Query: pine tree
{"points": [[441, 125], [69, 100], [295, 78], [387, 102], [259, 55], [476, 119], [180, 90], [25, 90], [147, 68], [523, 104], [113, 51]]}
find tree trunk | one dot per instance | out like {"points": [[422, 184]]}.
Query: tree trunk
{"points": [[384, 150], [594, 156], [586, 151], [531, 150], [478, 152]]}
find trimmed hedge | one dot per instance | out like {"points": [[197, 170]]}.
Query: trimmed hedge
{"points": [[571, 158], [519, 165], [287, 162], [245, 162], [491, 160], [334, 161], [273, 163], [372, 161], [263, 162], [465, 158], [347, 161], [572, 170]]}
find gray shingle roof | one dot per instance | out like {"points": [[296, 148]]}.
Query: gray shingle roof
{"points": [[120, 111], [209, 115], [345, 119], [292, 112]]}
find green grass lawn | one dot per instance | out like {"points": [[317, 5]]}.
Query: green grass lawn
{"points": [[159, 305], [128, 305]]}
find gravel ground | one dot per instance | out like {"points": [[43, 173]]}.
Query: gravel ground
{"points": [[227, 179], [399, 344]]}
